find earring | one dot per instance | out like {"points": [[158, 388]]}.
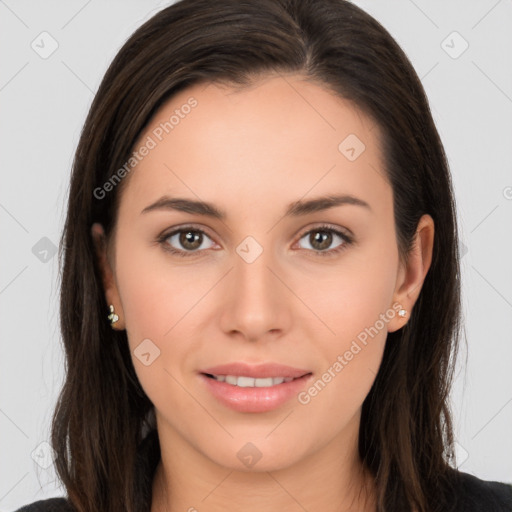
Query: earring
{"points": [[112, 317], [402, 313]]}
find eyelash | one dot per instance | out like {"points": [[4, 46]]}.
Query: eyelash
{"points": [[348, 240]]}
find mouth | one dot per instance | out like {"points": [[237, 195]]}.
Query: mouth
{"points": [[248, 394], [244, 381], [253, 371]]}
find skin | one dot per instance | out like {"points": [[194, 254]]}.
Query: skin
{"points": [[251, 152]]}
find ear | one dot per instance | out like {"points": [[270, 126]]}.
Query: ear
{"points": [[107, 274], [412, 274]]}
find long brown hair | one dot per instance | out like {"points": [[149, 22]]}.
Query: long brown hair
{"points": [[406, 438]]}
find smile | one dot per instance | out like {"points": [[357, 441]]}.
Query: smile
{"points": [[250, 382]]}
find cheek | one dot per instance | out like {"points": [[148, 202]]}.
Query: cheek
{"points": [[155, 293], [355, 306], [163, 305], [352, 357], [351, 296]]}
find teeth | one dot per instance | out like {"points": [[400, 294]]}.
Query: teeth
{"points": [[250, 382]]}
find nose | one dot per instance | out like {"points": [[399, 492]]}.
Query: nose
{"points": [[256, 305]]}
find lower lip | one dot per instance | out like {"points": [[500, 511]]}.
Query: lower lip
{"points": [[255, 399]]}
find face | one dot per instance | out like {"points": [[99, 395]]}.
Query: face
{"points": [[316, 289]]}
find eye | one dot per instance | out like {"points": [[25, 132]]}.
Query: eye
{"points": [[321, 238], [188, 239]]}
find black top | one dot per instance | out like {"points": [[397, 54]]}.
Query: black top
{"points": [[472, 494]]}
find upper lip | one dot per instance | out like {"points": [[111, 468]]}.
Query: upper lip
{"points": [[256, 371]]}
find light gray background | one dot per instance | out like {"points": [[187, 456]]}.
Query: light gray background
{"points": [[44, 103]]}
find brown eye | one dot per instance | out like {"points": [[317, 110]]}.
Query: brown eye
{"points": [[186, 240], [189, 240], [321, 239]]}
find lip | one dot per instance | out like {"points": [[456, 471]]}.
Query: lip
{"points": [[260, 371], [255, 400]]}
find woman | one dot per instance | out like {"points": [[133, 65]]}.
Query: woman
{"points": [[260, 293]]}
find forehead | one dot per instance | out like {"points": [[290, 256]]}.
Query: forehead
{"points": [[282, 136]]}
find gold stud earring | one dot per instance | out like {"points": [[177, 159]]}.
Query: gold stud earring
{"points": [[112, 317]]}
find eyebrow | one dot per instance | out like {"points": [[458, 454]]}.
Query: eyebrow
{"points": [[295, 209]]}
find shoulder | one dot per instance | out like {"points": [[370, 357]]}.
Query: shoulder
{"points": [[48, 505], [474, 494]]}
